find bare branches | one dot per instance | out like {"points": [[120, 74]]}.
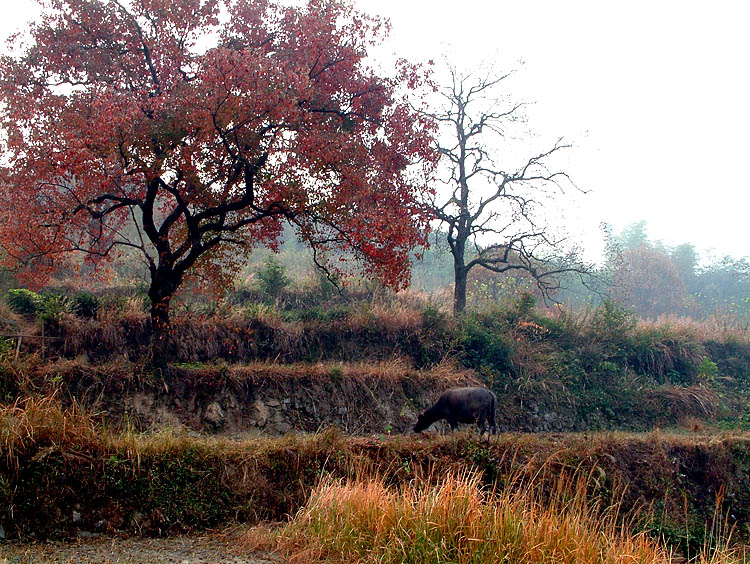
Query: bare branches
{"points": [[491, 201]]}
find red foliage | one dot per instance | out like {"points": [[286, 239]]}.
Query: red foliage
{"points": [[209, 122]]}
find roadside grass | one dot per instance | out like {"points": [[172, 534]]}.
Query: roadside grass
{"points": [[582, 494], [455, 519]]}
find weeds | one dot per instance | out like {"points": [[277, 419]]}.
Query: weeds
{"points": [[454, 519]]}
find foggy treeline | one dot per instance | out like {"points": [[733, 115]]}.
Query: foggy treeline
{"points": [[646, 276], [656, 279]]}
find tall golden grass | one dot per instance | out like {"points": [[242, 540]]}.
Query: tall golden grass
{"points": [[456, 520], [42, 422], [544, 511]]}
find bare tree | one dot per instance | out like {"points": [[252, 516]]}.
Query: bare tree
{"points": [[490, 207]]}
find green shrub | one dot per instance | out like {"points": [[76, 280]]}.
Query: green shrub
{"points": [[611, 321], [337, 313], [525, 305], [327, 288], [85, 304], [23, 301], [608, 337], [485, 344], [52, 307], [433, 317], [273, 277], [708, 369], [317, 312]]}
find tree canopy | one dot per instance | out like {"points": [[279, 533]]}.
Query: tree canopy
{"points": [[207, 123]]}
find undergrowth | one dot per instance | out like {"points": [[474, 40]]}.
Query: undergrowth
{"points": [[551, 369]]}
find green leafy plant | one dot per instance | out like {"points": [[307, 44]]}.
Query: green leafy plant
{"points": [[708, 370], [273, 277], [52, 308], [23, 301]]}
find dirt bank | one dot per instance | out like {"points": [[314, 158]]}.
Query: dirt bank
{"points": [[63, 476], [358, 398]]}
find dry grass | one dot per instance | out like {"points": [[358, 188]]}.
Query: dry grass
{"points": [[545, 512], [395, 369], [684, 402], [456, 520], [716, 328], [397, 316], [42, 421], [10, 322]]}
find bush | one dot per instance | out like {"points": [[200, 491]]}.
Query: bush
{"points": [[666, 352], [485, 345], [23, 301], [51, 309], [273, 277], [433, 317], [85, 304], [327, 288], [708, 370], [318, 313], [612, 322], [525, 305]]}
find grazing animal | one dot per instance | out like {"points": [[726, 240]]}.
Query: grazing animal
{"points": [[461, 405]]}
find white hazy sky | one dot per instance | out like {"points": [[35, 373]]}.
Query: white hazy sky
{"points": [[653, 94]]}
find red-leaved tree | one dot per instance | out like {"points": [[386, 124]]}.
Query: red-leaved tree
{"points": [[207, 124]]}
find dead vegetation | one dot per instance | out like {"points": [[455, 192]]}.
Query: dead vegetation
{"points": [[454, 518], [170, 481]]}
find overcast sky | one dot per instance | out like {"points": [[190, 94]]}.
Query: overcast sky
{"points": [[654, 95]]}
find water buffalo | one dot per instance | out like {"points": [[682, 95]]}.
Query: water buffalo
{"points": [[461, 405]]}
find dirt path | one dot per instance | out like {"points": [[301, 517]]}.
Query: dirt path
{"points": [[204, 549]]}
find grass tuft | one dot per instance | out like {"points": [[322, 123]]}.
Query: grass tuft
{"points": [[456, 520], [35, 424]]}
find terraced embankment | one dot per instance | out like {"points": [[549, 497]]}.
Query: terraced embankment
{"points": [[61, 475]]}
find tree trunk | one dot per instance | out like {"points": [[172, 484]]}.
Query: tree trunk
{"points": [[161, 291], [459, 286], [159, 333]]}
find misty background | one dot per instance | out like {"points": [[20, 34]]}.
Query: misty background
{"points": [[653, 99]]}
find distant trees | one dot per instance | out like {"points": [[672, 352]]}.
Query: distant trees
{"points": [[123, 113], [489, 207], [650, 283], [654, 279], [724, 287]]}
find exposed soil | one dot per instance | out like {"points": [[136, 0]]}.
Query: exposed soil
{"points": [[217, 548], [358, 398], [257, 399]]}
